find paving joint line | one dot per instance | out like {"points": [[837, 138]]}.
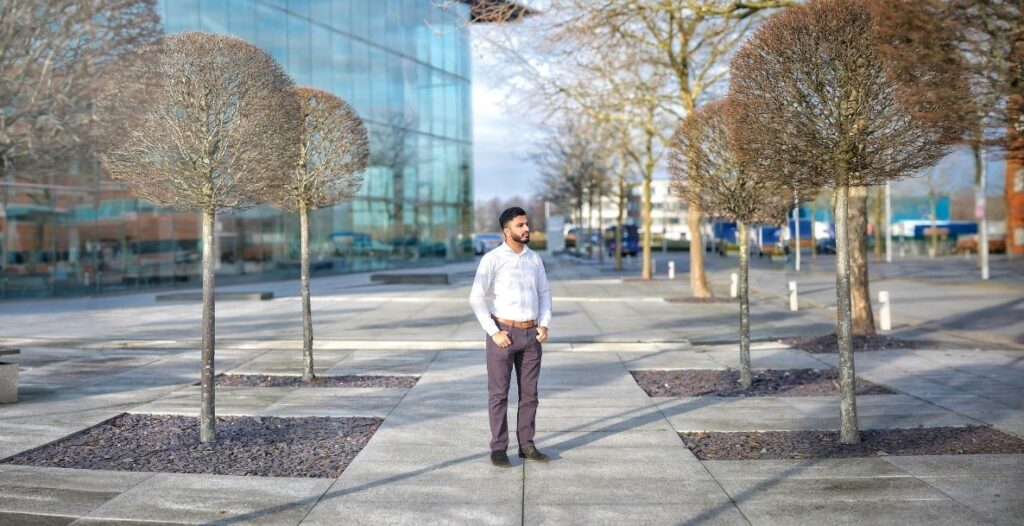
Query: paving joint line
{"points": [[683, 444]]}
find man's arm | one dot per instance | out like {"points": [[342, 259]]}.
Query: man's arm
{"points": [[543, 297], [477, 296]]}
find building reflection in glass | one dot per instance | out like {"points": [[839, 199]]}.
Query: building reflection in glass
{"points": [[404, 66]]}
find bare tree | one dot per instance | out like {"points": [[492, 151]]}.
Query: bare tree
{"points": [[52, 54], [206, 123], [818, 104], [988, 37], [333, 153], [706, 173], [391, 149], [569, 49]]}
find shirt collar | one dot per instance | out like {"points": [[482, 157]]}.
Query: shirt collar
{"points": [[526, 248]]}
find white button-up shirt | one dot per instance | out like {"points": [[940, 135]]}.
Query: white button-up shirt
{"points": [[510, 286]]}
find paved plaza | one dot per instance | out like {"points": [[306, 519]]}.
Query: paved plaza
{"points": [[617, 455]]}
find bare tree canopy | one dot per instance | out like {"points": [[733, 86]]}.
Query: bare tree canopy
{"points": [[332, 154], [816, 99], [51, 54], [200, 122], [706, 172]]}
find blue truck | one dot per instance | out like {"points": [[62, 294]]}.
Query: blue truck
{"points": [[630, 240]]}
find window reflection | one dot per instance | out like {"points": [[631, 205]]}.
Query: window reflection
{"points": [[72, 231]]}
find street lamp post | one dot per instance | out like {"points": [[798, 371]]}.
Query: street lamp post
{"points": [[796, 229]]}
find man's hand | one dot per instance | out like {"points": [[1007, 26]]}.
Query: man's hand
{"points": [[542, 334], [501, 339]]}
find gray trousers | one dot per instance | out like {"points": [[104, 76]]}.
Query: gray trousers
{"points": [[523, 356]]}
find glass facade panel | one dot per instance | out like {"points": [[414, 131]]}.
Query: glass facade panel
{"points": [[402, 64]]}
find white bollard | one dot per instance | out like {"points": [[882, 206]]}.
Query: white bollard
{"points": [[793, 305], [734, 287], [671, 270], [885, 311]]}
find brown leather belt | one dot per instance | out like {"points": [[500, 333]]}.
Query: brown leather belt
{"points": [[516, 324]]}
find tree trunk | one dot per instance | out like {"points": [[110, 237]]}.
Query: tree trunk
{"points": [[848, 433], [620, 222], [981, 200], [600, 226], [863, 317], [207, 414], [746, 378], [645, 272], [307, 314], [5, 242], [698, 280]]}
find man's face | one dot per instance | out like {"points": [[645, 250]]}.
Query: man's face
{"points": [[519, 230]]}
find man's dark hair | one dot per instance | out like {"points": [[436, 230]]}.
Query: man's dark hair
{"points": [[510, 214]]}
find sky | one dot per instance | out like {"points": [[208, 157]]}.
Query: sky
{"points": [[501, 144]]}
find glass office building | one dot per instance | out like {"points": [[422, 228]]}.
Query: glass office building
{"points": [[403, 64]]}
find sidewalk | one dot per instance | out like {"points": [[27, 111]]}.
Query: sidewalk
{"points": [[617, 456]]}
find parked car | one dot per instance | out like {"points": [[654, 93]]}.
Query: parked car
{"points": [[484, 243], [827, 246]]}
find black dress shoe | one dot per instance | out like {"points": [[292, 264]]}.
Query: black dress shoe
{"points": [[500, 459], [531, 453]]}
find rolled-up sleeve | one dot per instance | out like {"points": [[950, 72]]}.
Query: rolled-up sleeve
{"points": [[478, 295], [543, 296]]}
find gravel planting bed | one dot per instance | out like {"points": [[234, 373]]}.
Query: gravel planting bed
{"points": [[827, 344], [768, 382], [262, 446], [874, 442], [263, 380]]}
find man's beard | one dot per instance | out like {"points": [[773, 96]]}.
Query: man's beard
{"points": [[524, 238]]}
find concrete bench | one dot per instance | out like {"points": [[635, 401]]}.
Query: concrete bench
{"points": [[8, 378], [410, 279], [220, 296]]}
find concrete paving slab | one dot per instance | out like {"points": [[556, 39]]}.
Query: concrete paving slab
{"points": [[999, 498], [329, 401], [854, 513], [63, 492], [960, 465], [233, 401], [785, 490], [566, 489], [670, 360], [803, 469], [634, 514], [488, 484], [330, 511], [250, 500]]}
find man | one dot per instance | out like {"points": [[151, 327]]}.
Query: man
{"points": [[516, 321]]}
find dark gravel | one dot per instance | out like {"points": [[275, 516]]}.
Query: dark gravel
{"points": [[768, 382], [262, 446], [691, 299], [827, 344], [874, 442], [262, 380]]}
